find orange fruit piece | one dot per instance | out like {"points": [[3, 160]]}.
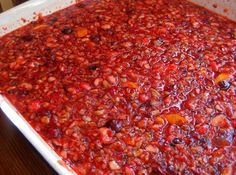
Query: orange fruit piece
{"points": [[40, 26], [221, 77], [175, 119], [81, 32]]}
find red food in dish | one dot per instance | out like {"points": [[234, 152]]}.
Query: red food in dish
{"points": [[132, 87]]}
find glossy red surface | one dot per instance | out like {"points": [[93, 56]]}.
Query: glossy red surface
{"points": [[132, 87]]}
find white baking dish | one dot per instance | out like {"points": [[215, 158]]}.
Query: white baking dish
{"points": [[12, 19]]}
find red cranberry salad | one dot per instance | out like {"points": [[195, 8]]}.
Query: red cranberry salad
{"points": [[128, 86]]}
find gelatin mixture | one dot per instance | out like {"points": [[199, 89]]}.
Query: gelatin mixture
{"points": [[128, 86]]}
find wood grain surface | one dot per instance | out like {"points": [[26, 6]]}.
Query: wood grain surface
{"points": [[17, 155]]}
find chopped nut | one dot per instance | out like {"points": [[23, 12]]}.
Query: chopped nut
{"points": [[219, 120], [86, 118], [196, 149], [219, 107], [51, 79], [113, 165], [106, 26], [127, 44], [106, 135], [97, 81], [227, 170], [99, 112], [112, 80], [152, 149], [26, 86], [106, 84], [155, 93], [155, 112]]}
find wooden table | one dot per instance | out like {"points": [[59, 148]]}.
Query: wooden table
{"points": [[7, 4], [17, 155]]}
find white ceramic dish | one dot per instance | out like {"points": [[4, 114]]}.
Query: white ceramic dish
{"points": [[12, 19]]}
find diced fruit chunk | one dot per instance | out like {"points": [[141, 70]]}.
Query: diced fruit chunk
{"points": [[202, 129], [129, 171], [113, 165], [175, 119], [106, 135], [81, 32], [221, 77], [219, 120], [26, 86], [130, 84], [152, 149], [45, 119], [85, 86], [40, 26]]}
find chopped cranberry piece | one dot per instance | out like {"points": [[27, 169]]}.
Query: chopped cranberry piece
{"points": [[129, 170], [35, 106], [27, 38], [54, 132], [85, 86]]}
